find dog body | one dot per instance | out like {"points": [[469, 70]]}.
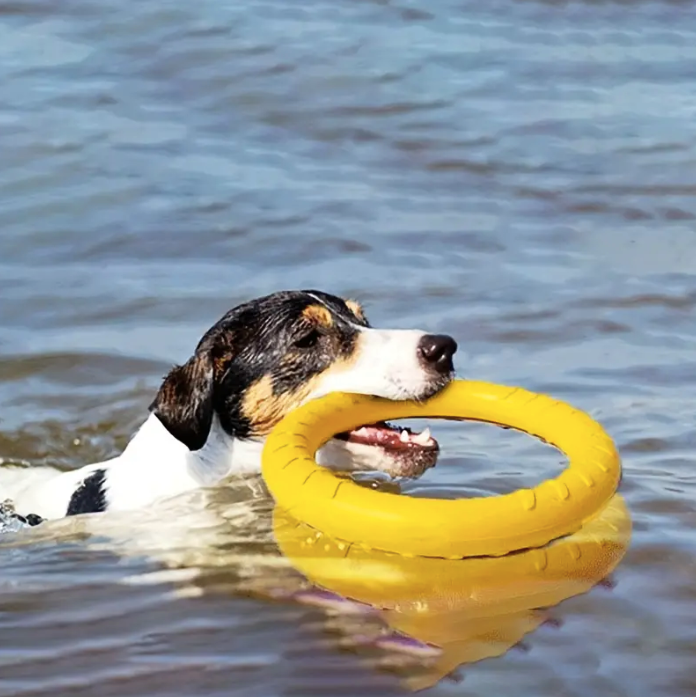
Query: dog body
{"points": [[211, 415]]}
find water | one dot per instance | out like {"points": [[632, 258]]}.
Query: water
{"points": [[519, 174]]}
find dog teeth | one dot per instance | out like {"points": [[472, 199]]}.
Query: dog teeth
{"points": [[404, 436], [422, 438]]}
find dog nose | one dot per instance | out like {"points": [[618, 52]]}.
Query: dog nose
{"points": [[436, 351]]}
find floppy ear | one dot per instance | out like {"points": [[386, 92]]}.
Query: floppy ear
{"points": [[184, 403]]}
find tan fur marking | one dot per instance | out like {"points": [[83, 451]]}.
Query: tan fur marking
{"points": [[356, 308], [318, 314], [265, 409]]}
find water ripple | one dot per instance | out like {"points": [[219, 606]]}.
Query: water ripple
{"points": [[518, 173]]}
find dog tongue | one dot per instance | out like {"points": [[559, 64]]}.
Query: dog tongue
{"points": [[387, 436]]}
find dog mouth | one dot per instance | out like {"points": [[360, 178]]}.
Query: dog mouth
{"points": [[380, 446], [393, 439]]}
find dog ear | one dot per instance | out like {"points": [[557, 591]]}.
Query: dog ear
{"points": [[184, 403], [357, 309]]}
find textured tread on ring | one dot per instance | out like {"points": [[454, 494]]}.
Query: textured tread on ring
{"points": [[438, 527]]}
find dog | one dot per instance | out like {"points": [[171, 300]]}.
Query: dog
{"points": [[211, 415]]}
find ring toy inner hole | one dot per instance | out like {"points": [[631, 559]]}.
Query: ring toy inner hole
{"points": [[452, 529]]}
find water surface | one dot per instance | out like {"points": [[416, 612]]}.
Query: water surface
{"points": [[519, 174]]}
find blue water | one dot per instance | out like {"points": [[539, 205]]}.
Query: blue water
{"points": [[519, 174]]}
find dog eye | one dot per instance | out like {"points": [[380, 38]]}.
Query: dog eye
{"points": [[308, 340]]}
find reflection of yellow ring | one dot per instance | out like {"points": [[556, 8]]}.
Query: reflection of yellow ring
{"points": [[435, 527], [471, 609]]}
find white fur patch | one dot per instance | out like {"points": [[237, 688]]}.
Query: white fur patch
{"points": [[387, 365]]}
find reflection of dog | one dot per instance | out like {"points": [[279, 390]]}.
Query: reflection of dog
{"points": [[260, 361]]}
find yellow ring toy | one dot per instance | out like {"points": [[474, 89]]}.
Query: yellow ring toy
{"points": [[453, 529]]}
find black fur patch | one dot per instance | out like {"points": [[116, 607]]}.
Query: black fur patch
{"points": [[89, 497], [184, 403]]}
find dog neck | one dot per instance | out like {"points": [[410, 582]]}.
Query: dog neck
{"points": [[221, 456], [162, 466]]}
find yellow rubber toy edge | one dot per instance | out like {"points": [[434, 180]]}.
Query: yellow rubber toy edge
{"points": [[452, 529]]}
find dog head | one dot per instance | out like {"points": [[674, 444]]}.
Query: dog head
{"points": [[268, 356]]}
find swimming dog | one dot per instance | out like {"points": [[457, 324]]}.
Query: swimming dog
{"points": [[211, 415]]}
